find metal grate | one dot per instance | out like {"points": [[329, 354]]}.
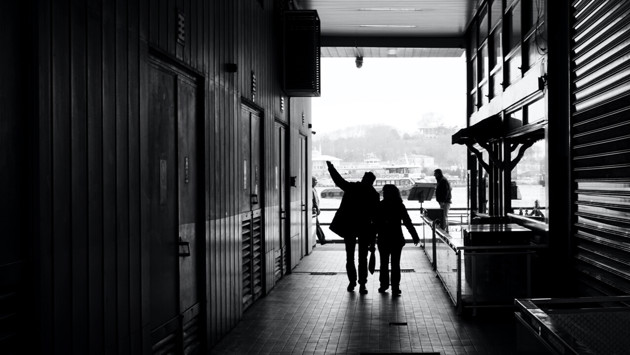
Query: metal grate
{"points": [[398, 323], [252, 262], [401, 270]]}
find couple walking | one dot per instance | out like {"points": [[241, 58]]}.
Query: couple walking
{"points": [[362, 216]]}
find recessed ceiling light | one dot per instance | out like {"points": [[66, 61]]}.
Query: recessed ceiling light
{"points": [[389, 9], [390, 26]]}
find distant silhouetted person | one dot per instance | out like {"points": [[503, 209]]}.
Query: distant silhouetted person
{"points": [[354, 220], [536, 212], [318, 229], [443, 196], [389, 214]]}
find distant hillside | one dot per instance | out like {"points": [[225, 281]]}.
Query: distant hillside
{"points": [[388, 144]]}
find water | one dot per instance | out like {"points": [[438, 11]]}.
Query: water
{"points": [[529, 193]]}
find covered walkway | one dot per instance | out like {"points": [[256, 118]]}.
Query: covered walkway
{"points": [[310, 312]]}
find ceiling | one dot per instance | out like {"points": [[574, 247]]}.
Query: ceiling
{"points": [[389, 28]]}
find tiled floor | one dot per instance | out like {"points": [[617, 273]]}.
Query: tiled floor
{"points": [[314, 314]]}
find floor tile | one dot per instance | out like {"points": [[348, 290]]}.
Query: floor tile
{"points": [[310, 312]]}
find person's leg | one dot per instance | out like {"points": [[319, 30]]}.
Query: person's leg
{"points": [[320, 232], [350, 268], [396, 252], [383, 251], [363, 264], [445, 207]]}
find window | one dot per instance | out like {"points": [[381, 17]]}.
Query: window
{"points": [[484, 65], [497, 49], [529, 176], [514, 28], [536, 111], [483, 25], [496, 13]]}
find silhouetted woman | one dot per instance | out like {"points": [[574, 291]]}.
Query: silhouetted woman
{"points": [[390, 212]]}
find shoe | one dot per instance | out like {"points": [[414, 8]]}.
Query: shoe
{"points": [[382, 289], [363, 290], [396, 292], [351, 287]]}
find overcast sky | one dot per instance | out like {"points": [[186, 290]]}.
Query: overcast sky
{"points": [[395, 91]]}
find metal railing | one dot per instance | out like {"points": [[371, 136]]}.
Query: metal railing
{"points": [[457, 217], [480, 276]]}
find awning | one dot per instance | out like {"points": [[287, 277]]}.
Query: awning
{"points": [[511, 131], [486, 130]]}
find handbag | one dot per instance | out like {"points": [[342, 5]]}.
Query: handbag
{"points": [[372, 262]]}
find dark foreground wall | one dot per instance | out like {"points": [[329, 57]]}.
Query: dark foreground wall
{"points": [[147, 150]]}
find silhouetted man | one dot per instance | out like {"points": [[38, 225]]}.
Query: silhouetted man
{"points": [[443, 196], [354, 220]]}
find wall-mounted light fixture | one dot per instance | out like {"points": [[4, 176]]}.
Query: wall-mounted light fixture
{"points": [[359, 61]]}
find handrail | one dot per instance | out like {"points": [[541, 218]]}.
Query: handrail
{"points": [[464, 212]]}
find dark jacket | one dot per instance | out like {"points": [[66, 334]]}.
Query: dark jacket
{"points": [[443, 191], [389, 214], [356, 211]]}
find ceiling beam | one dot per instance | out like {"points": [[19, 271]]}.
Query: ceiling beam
{"points": [[394, 42]]}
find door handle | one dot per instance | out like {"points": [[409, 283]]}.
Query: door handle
{"points": [[283, 215]]}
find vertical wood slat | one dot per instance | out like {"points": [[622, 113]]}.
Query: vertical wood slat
{"points": [[79, 181], [135, 269], [122, 178], [61, 179], [109, 176], [95, 177], [43, 168]]}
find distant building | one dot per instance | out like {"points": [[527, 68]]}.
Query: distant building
{"points": [[434, 132], [319, 163], [423, 161]]}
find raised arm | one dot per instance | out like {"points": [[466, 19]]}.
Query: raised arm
{"points": [[334, 174]]}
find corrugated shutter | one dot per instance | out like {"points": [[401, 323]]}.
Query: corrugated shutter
{"points": [[600, 133]]}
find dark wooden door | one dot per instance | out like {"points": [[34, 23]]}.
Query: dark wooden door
{"points": [[282, 260], [190, 200], [250, 202], [306, 245], [174, 201]]}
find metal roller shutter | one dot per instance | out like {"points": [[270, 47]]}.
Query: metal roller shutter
{"points": [[600, 144]]}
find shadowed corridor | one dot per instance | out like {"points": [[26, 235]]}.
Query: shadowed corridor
{"points": [[310, 312]]}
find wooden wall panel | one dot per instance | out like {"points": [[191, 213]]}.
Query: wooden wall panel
{"points": [[89, 104], [92, 245]]}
